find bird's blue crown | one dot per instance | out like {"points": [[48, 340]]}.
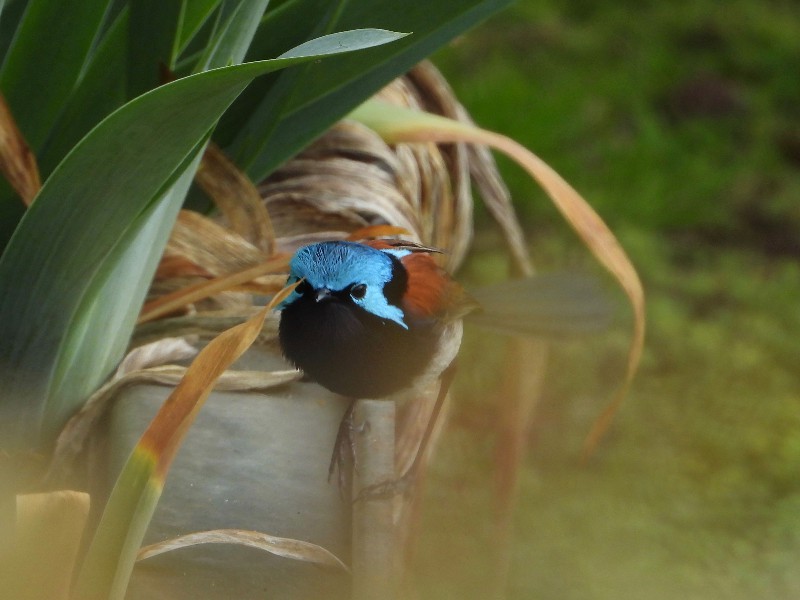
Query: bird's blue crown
{"points": [[338, 265]]}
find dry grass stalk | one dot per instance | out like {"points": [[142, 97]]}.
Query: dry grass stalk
{"points": [[236, 197]]}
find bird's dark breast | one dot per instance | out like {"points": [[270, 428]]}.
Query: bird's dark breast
{"points": [[351, 351]]}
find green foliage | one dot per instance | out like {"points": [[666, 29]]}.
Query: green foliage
{"points": [[77, 268], [64, 50]]}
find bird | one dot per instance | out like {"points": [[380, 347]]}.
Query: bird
{"points": [[375, 319], [381, 319], [370, 319]]}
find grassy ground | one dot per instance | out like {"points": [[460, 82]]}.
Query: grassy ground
{"points": [[681, 124]]}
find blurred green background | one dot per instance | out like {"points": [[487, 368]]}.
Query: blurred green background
{"points": [[680, 123]]}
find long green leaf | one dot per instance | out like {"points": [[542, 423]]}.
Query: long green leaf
{"points": [[195, 15], [53, 62], [9, 20], [234, 37], [153, 34], [292, 23], [39, 71], [319, 95], [58, 254], [132, 264], [100, 91], [120, 285], [105, 572]]}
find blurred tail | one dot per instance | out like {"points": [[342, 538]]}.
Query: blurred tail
{"points": [[551, 304]]}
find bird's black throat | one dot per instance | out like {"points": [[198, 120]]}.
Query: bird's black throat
{"points": [[351, 351]]}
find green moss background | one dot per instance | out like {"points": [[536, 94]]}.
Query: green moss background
{"points": [[680, 123]]}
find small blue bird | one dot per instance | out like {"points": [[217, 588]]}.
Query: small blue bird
{"points": [[370, 319]]}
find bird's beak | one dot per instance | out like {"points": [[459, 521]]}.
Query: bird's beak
{"points": [[323, 294]]}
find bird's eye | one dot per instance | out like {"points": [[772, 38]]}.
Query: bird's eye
{"points": [[303, 288], [358, 291]]}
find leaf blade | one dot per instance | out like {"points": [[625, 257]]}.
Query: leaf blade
{"points": [[232, 41], [196, 13], [99, 92], [153, 30], [64, 50]]}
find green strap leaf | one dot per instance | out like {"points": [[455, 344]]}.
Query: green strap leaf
{"points": [[100, 91], [40, 71], [195, 15], [107, 567], [234, 37], [64, 50], [120, 285], [153, 32]]}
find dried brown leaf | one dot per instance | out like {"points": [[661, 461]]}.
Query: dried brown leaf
{"points": [[290, 244], [348, 179], [193, 293], [340, 187], [285, 547], [354, 140], [220, 301], [204, 324], [377, 231], [497, 199], [605, 247], [17, 162], [210, 246], [451, 227], [161, 352], [177, 266], [294, 215], [237, 198]]}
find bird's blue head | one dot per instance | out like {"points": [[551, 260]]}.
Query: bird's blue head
{"points": [[348, 270]]}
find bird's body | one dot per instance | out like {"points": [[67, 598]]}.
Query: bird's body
{"points": [[371, 320]]}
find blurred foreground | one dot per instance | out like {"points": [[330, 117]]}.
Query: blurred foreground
{"points": [[681, 127]]}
